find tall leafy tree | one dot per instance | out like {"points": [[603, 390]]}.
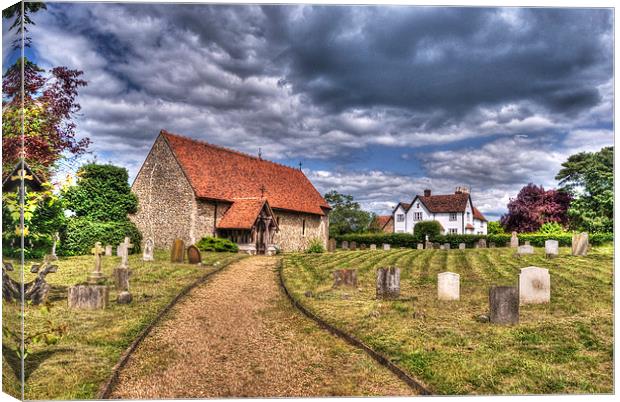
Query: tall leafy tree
{"points": [[535, 206], [589, 177], [346, 215], [21, 24]]}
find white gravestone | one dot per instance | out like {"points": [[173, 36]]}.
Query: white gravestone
{"points": [[514, 240], [461, 246], [420, 246], [386, 246], [373, 246], [552, 248], [345, 245], [527, 249], [108, 250], [580, 244], [448, 286], [534, 285], [147, 255]]}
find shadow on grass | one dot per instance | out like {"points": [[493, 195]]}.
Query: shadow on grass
{"points": [[33, 360]]}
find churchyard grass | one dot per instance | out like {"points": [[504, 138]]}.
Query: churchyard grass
{"points": [[77, 365], [565, 346]]}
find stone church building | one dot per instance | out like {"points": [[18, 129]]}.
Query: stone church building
{"points": [[189, 189]]}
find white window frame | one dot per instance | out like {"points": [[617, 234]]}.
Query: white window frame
{"points": [[453, 231], [417, 216], [453, 217], [400, 217]]}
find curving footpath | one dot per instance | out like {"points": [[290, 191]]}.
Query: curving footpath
{"points": [[238, 336]]}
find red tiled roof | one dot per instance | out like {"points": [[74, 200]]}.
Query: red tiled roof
{"points": [[445, 203], [242, 214], [469, 226], [478, 215], [223, 174], [383, 220]]}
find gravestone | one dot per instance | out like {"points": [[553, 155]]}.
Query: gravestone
{"points": [[482, 243], [345, 245], [126, 245], [428, 245], [345, 277], [420, 246], [119, 250], [461, 246], [446, 246], [96, 276], [436, 246], [108, 251], [441, 247], [388, 283], [527, 242], [331, 245], [386, 247], [491, 245], [373, 246], [363, 246], [149, 247], [527, 249], [504, 305], [53, 256], [178, 249], [514, 240], [534, 285], [121, 278], [552, 248], [193, 255], [448, 286], [580, 244], [88, 297], [353, 246]]}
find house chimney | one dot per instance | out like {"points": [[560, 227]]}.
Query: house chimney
{"points": [[427, 192], [461, 190]]}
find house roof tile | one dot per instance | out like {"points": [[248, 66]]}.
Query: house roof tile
{"points": [[220, 173], [478, 215], [383, 220], [445, 203]]}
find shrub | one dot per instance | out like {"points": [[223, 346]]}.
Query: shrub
{"points": [[209, 243], [494, 227], [81, 235], [430, 228], [551, 228], [315, 246]]}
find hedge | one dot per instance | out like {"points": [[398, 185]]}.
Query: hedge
{"points": [[81, 235], [216, 244], [500, 240]]}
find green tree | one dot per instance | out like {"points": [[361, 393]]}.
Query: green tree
{"points": [[494, 227], [346, 215], [589, 177], [430, 228]]}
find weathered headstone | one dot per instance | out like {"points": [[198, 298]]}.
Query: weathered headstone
{"points": [[420, 246], [96, 276], [504, 305], [526, 249], [446, 246], [119, 250], [388, 283], [345, 245], [125, 252], [386, 246], [363, 246], [373, 246], [331, 245], [482, 243], [436, 246], [88, 297], [534, 285], [527, 243], [461, 246], [108, 251], [178, 249], [193, 255], [353, 246], [514, 240], [441, 247], [149, 247], [121, 278], [491, 245], [552, 248], [345, 277], [448, 286], [580, 244], [428, 245]]}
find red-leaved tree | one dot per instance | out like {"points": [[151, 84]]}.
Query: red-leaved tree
{"points": [[535, 206], [49, 103]]}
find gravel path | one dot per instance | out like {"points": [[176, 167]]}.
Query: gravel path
{"points": [[238, 336]]}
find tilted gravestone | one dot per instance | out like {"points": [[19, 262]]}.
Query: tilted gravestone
{"points": [[527, 249], [193, 255], [461, 246], [345, 245], [178, 249], [514, 240], [386, 246], [552, 248], [353, 246], [504, 305], [373, 246], [448, 286], [149, 248], [580, 244], [345, 277], [331, 245], [388, 283], [420, 246], [534, 285], [108, 250], [446, 246]]}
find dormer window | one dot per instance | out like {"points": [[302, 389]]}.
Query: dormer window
{"points": [[400, 218]]}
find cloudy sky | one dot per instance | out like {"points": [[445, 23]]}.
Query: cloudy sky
{"points": [[377, 102]]}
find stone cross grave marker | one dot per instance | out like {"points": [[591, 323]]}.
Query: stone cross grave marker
{"points": [[193, 255], [386, 246], [96, 276], [526, 249], [446, 246], [353, 245], [504, 305], [125, 252], [580, 244], [534, 285], [149, 248], [420, 246], [108, 251], [331, 245], [388, 283], [461, 246], [344, 245], [552, 248], [373, 246], [178, 249], [345, 277], [514, 240], [448, 286]]}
